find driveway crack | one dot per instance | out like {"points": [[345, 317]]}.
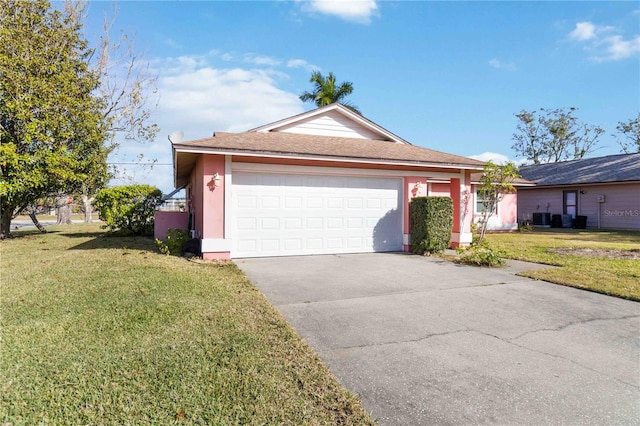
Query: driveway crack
{"points": [[570, 324]]}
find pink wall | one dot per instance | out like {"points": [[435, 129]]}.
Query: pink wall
{"points": [[213, 197], [439, 189], [207, 201], [508, 209], [164, 221]]}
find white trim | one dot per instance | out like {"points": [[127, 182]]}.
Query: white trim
{"points": [[342, 171], [216, 245], [462, 207], [310, 157], [405, 239], [375, 128], [227, 196], [461, 237]]}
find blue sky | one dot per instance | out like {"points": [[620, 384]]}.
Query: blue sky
{"points": [[443, 75]]}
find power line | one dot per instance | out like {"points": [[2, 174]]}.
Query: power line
{"points": [[140, 164]]}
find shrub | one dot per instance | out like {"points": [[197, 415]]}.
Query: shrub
{"points": [[431, 221], [172, 243], [479, 255], [128, 209]]}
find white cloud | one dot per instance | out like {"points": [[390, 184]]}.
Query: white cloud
{"points": [[301, 63], [199, 98], [359, 11], [495, 63], [261, 60], [206, 99], [496, 158], [602, 46], [583, 31], [617, 48]]}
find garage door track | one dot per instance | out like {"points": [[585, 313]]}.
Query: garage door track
{"points": [[425, 341]]}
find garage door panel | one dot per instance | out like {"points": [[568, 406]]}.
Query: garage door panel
{"points": [[281, 214]]}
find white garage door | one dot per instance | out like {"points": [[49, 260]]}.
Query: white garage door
{"points": [[291, 214]]}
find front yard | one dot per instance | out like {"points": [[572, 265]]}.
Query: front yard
{"points": [[105, 330], [603, 261]]}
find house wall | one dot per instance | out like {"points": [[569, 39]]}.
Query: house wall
{"points": [[331, 124], [439, 189], [506, 219], [207, 204], [621, 209], [165, 220]]}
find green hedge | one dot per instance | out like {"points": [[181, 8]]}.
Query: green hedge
{"points": [[129, 209], [431, 222]]}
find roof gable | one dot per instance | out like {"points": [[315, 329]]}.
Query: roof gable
{"points": [[612, 168], [333, 120]]}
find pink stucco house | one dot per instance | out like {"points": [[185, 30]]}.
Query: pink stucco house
{"points": [[322, 182]]}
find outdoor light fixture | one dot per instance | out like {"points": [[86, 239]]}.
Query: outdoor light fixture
{"points": [[214, 182]]}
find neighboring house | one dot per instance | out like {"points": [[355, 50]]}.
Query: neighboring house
{"points": [[321, 182], [605, 190]]}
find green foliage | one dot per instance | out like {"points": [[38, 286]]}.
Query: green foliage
{"points": [[495, 183], [431, 222], [172, 243], [553, 135], [326, 91], [629, 135], [129, 209], [51, 127], [479, 254]]}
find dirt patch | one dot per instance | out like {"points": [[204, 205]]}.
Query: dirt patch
{"points": [[598, 252]]}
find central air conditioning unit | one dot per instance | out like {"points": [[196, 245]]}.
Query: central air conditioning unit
{"points": [[542, 219]]}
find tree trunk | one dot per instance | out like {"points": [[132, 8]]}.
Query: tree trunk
{"points": [[34, 219], [63, 210], [5, 224], [88, 208]]}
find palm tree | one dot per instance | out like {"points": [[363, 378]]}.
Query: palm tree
{"points": [[326, 91]]}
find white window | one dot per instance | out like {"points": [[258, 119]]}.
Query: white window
{"points": [[480, 208]]}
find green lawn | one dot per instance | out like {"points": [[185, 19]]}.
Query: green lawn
{"points": [[105, 330], [616, 277]]}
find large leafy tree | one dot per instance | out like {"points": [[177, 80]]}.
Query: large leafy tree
{"points": [[552, 135], [327, 91], [52, 130], [629, 135]]}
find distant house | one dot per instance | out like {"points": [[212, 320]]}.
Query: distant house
{"points": [[605, 190]]}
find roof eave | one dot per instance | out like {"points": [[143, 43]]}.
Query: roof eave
{"points": [[312, 157]]}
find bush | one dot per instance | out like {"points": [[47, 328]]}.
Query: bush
{"points": [[129, 209], [172, 244], [479, 255], [431, 222]]}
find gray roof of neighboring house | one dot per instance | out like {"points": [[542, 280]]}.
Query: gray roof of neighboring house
{"points": [[613, 168]]}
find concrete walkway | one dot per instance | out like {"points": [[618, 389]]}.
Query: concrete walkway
{"points": [[424, 341]]}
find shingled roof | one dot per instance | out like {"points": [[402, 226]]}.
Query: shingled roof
{"points": [[613, 168], [324, 147]]}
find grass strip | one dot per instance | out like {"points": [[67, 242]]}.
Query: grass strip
{"points": [[99, 330], [615, 277]]}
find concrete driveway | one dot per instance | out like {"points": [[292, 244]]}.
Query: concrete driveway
{"points": [[424, 341]]}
